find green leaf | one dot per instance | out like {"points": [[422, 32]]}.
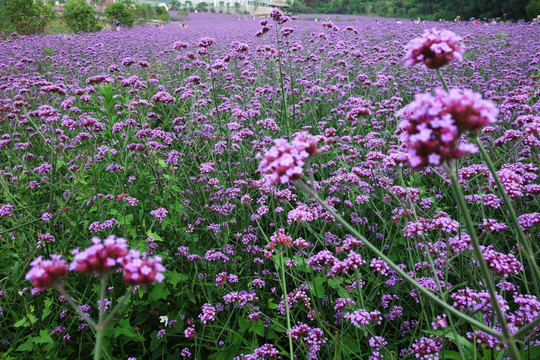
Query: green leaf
{"points": [[47, 310], [316, 286], [27, 346], [244, 324], [335, 282], [124, 328], [21, 322], [156, 237], [174, 277], [44, 338], [451, 355], [259, 328], [271, 304], [532, 353], [159, 292]]}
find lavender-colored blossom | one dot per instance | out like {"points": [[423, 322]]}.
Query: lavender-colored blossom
{"points": [[434, 49]]}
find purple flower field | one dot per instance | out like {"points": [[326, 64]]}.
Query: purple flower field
{"points": [[271, 189]]}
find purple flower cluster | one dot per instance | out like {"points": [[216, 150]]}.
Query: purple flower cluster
{"points": [[283, 163], [431, 125], [434, 49]]}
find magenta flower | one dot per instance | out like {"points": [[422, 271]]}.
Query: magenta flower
{"points": [[468, 109], [102, 257], [6, 210], [434, 49], [142, 271], [164, 97], [430, 133], [206, 42], [44, 273], [283, 163], [159, 214]]}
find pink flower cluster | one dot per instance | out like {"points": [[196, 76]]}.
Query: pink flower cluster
{"points": [[431, 125], [363, 317], [434, 49], [103, 257], [44, 273], [283, 163], [142, 270]]}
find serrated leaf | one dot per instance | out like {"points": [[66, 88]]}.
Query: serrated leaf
{"points": [[316, 286], [44, 338], [272, 305], [159, 292], [154, 235], [21, 322], [27, 346], [124, 328], [174, 277], [47, 310]]}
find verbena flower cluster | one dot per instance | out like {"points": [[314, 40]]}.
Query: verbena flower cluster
{"points": [[102, 258], [431, 126], [152, 134], [283, 162], [434, 49]]}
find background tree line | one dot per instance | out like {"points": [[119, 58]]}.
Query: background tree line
{"points": [[425, 9], [27, 17]]}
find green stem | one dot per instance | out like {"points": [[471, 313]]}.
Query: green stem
{"points": [[118, 306], [283, 94], [486, 277], [100, 328], [403, 274], [286, 303], [529, 254], [526, 328], [75, 307], [441, 77], [99, 343]]}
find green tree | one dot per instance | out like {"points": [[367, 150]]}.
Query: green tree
{"points": [[162, 14], [80, 16], [121, 11], [533, 9], [143, 13], [175, 5], [202, 6], [25, 16]]}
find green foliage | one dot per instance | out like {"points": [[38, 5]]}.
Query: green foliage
{"points": [[202, 6], [143, 13], [175, 5], [146, 12], [121, 11], [533, 9], [25, 16], [428, 10], [79, 16], [162, 14]]}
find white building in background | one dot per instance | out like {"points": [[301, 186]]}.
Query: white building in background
{"points": [[253, 7]]}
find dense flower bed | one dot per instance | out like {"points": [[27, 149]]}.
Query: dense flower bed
{"points": [[180, 147]]}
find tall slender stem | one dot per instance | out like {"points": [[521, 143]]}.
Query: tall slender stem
{"points": [[100, 328], [529, 253], [481, 326], [118, 306], [486, 276], [75, 307], [283, 94], [441, 77], [286, 303]]}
